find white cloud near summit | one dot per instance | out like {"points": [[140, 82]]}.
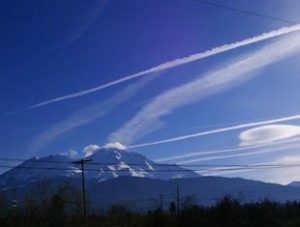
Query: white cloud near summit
{"points": [[115, 145], [90, 149], [268, 134]]}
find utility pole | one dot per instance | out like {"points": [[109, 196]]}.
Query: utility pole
{"points": [[177, 200], [82, 162]]}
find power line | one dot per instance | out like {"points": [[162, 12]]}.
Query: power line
{"points": [[32, 160], [97, 170], [246, 12], [143, 164], [249, 168], [159, 170], [89, 169]]}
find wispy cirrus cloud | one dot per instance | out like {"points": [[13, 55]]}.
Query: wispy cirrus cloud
{"points": [[163, 66], [87, 115], [284, 169], [232, 74], [290, 146], [197, 154], [94, 14], [216, 131]]}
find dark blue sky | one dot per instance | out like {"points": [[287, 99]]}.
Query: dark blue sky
{"points": [[53, 48]]}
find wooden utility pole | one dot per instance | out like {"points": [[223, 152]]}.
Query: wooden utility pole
{"points": [[82, 162]]}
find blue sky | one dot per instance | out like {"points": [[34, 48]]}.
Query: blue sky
{"points": [[52, 48]]}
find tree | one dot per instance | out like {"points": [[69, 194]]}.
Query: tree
{"points": [[3, 205], [172, 207], [56, 212]]}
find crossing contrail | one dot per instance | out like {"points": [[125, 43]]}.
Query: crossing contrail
{"points": [[171, 64], [194, 155], [256, 152], [231, 74]]}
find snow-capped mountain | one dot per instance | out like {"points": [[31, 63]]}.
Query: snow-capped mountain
{"points": [[120, 175], [118, 162], [35, 169], [106, 163]]}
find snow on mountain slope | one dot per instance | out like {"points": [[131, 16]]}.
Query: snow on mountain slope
{"points": [[106, 163], [119, 162], [52, 166]]}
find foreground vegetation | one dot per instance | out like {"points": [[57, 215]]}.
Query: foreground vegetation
{"points": [[62, 206], [227, 212]]}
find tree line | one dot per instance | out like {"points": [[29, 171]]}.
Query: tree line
{"points": [[62, 206]]}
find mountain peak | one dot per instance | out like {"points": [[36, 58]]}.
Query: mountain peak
{"points": [[107, 162]]}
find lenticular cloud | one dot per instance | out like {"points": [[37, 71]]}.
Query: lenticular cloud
{"points": [[268, 134]]}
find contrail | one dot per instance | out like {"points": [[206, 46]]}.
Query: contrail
{"points": [[215, 131], [222, 151], [88, 114], [174, 63], [262, 151], [231, 74]]}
